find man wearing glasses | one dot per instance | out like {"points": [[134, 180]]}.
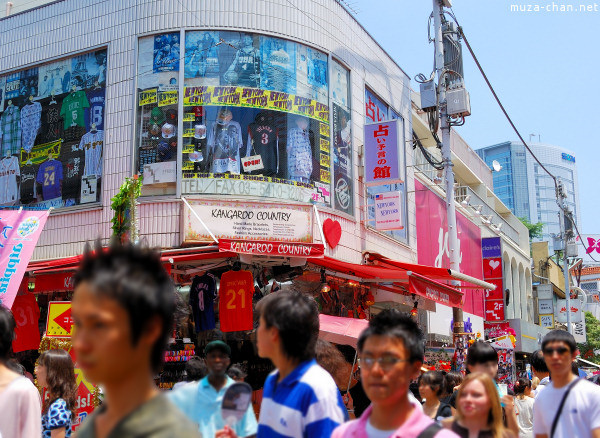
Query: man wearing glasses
{"points": [[391, 354], [568, 406]]}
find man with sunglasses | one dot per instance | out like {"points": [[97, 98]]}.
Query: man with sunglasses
{"points": [[390, 356], [568, 406]]}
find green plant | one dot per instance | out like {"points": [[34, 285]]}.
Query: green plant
{"points": [[124, 206], [592, 335], [535, 230]]}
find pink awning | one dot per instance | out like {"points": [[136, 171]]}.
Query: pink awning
{"points": [[341, 330]]}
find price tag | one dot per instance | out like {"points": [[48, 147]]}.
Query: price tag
{"points": [[253, 162]]}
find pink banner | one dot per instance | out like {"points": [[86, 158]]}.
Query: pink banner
{"points": [[432, 243], [19, 233]]}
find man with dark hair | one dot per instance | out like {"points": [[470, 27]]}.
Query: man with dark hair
{"points": [[201, 401], [539, 370], [195, 369], [300, 398], [390, 356], [568, 406], [20, 403], [122, 312]]}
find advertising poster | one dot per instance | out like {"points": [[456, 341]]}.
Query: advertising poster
{"points": [[388, 211], [2, 84], [342, 159], [339, 84], [89, 69], [278, 71], [239, 59], [383, 161], [166, 52], [375, 109], [55, 78], [201, 58], [317, 75]]}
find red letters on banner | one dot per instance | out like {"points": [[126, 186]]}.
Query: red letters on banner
{"points": [[235, 301]]}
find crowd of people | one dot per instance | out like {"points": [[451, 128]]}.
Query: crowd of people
{"points": [[122, 311]]}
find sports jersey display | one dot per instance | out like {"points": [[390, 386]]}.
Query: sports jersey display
{"points": [[224, 143], [263, 140], [299, 151], [9, 189], [10, 130], [235, 301], [31, 118], [50, 175], [92, 143], [95, 113], [73, 108], [203, 293], [72, 159], [28, 188]]}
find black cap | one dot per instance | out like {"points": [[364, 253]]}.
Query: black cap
{"points": [[217, 345]]}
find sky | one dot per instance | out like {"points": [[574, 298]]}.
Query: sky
{"points": [[543, 66]]}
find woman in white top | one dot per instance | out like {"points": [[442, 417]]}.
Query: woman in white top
{"points": [[524, 404]]}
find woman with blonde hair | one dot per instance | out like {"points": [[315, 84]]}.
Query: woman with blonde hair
{"points": [[478, 410]]}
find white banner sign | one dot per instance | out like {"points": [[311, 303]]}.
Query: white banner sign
{"points": [[388, 211], [579, 331], [544, 291], [561, 310], [547, 321], [248, 221], [545, 306]]}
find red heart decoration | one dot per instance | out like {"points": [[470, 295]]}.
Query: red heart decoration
{"points": [[332, 231]]}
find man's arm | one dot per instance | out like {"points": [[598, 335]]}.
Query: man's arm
{"points": [[509, 412]]}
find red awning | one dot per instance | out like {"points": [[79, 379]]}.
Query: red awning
{"points": [[362, 272], [341, 330], [431, 272]]}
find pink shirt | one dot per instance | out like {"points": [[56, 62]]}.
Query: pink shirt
{"points": [[20, 410], [411, 428]]}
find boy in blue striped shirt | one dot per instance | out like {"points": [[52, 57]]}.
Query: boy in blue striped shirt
{"points": [[300, 399]]}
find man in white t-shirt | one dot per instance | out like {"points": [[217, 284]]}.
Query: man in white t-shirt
{"points": [[580, 416]]}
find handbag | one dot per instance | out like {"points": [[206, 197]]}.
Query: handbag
{"points": [[560, 407]]}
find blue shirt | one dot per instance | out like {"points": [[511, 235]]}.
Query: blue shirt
{"points": [[306, 403], [201, 403], [57, 416]]}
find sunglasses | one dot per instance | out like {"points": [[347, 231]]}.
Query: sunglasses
{"points": [[559, 350]]}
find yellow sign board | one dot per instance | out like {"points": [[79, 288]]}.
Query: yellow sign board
{"points": [[59, 322]]}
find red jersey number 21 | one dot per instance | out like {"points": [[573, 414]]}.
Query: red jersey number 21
{"points": [[233, 302]]}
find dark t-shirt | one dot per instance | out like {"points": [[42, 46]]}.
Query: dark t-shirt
{"points": [[157, 418], [359, 398]]}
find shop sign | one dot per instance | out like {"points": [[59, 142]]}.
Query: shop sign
{"points": [[579, 332], [285, 249], [382, 160], [492, 268], [253, 162], [544, 291], [61, 281], [147, 97], [491, 247], [561, 308], [246, 185], [248, 221], [432, 243], [434, 292], [59, 323], [496, 294], [26, 313], [547, 321], [495, 330], [19, 233], [494, 310], [545, 306], [85, 399], [157, 173], [388, 211]]}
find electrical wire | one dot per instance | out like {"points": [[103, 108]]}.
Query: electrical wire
{"points": [[437, 165]]}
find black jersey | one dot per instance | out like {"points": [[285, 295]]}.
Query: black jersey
{"points": [[263, 140]]}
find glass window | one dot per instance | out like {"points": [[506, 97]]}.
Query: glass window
{"points": [[157, 114], [52, 125], [256, 117]]}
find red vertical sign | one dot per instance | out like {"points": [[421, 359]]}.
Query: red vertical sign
{"points": [[235, 301], [494, 299]]}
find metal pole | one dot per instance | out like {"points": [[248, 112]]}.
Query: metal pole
{"points": [[453, 249], [563, 230]]}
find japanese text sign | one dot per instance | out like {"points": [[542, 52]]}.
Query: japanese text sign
{"points": [[19, 233], [59, 323], [383, 162]]}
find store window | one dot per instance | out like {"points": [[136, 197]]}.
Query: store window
{"points": [[342, 139], [157, 115], [52, 125], [377, 111], [256, 118]]}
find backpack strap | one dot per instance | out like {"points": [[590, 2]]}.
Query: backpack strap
{"points": [[430, 431], [560, 407]]}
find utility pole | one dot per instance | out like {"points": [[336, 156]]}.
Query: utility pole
{"points": [[457, 313], [560, 199]]}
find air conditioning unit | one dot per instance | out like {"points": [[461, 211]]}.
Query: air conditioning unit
{"points": [[572, 250], [428, 95], [458, 102]]}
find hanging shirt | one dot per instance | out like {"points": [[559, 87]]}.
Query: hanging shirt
{"points": [[202, 299], [72, 159], [95, 113], [263, 140], [73, 107], [92, 143], [224, 143], [52, 126], [50, 175], [299, 153], [28, 189], [235, 301], [10, 130], [9, 189], [31, 120]]}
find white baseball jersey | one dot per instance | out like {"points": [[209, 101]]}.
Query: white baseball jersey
{"points": [[92, 143], [9, 189]]}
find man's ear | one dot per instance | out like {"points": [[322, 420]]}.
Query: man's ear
{"points": [[152, 331]]}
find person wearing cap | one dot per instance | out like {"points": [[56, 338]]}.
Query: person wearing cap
{"points": [[201, 401]]}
